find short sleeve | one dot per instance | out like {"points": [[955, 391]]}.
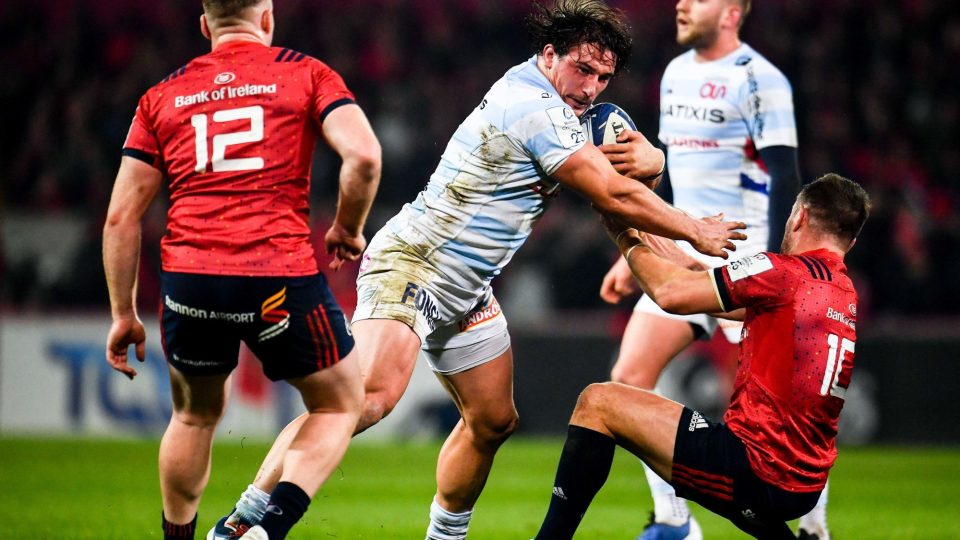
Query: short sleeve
{"points": [[141, 142], [765, 100], [330, 91], [754, 281], [550, 134]]}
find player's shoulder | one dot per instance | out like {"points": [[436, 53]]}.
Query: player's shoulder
{"points": [[524, 86], [753, 65], [680, 65], [819, 266]]}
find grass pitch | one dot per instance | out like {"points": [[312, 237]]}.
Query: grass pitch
{"points": [[65, 489]]}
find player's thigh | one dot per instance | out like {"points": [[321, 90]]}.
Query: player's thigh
{"points": [[202, 398], [201, 320], [649, 342], [484, 395], [336, 388], [640, 421], [387, 352]]}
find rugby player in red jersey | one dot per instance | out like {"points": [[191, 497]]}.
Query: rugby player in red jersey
{"points": [[233, 132], [767, 462]]}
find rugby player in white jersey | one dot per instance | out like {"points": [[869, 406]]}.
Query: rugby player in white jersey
{"points": [[727, 123], [424, 283]]}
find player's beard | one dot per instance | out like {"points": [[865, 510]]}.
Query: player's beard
{"points": [[699, 38]]}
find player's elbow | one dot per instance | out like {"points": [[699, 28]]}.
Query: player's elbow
{"points": [[673, 298], [365, 159], [118, 219]]}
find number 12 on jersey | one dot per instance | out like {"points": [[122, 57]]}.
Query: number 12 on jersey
{"points": [[220, 163], [839, 347]]}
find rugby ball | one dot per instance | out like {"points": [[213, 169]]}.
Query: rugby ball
{"points": [[603, 122]]}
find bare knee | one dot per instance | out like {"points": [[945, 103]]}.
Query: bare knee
{"points": [[205, 418], [592, 404], [493, 428], [377, 405]]}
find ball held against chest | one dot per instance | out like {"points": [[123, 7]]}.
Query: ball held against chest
{"points": [[603, 122]]}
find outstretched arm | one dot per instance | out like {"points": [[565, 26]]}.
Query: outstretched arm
{"points": [[136, 185], [349, 134], [673, 287], [634, 204]]}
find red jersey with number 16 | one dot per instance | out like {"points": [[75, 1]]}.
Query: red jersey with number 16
{"points": [[796, 358], [234, 132]]}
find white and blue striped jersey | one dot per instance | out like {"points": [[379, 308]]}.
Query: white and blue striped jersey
{"points": [[492, 184], [714, 117]]}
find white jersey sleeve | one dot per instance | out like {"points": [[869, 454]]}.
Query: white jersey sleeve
{"points": [[766, 103]]}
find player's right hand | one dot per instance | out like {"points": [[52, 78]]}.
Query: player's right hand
{"points": [[123, 333], [343, 245], [715, 236], [618, 283]]}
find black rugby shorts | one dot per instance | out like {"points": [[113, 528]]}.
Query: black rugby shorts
{"points": [[293, 325], [710, 467]]}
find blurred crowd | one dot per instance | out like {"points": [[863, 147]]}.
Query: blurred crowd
{"points": [[877, 96]]}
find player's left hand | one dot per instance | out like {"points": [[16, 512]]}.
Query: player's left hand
{"points": [[123, 333], [343, 245], [634, 157]]}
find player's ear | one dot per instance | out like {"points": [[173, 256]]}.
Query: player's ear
{"points": [[204, 27], [549, 54], [803, 218], [266, 21]]}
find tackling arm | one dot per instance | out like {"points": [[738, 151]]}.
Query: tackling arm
{"points": [[349, 134], [673, 287], [588, 172]]}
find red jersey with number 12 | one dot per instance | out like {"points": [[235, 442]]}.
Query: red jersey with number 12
{"points": [[796, 358], [234, 131]]}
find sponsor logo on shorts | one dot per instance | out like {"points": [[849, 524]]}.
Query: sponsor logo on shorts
{"points": [[270, 312], [480, 316], [697, 421], [558, 491], [423, 301], [839, 316], [199, 313], [196, 363]]}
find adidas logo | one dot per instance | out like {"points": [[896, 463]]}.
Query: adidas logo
{"points": [[558, 491], [697, 421]]}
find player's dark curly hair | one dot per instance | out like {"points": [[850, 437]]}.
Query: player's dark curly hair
{"points": [[837, 205], [572, 22], [227, 9]]}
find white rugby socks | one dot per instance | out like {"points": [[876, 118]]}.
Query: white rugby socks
{"points": [[446, 525], [253, 503], [667, 507]]}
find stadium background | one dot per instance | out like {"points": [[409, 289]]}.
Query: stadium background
{"points": [[876, 95]]}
